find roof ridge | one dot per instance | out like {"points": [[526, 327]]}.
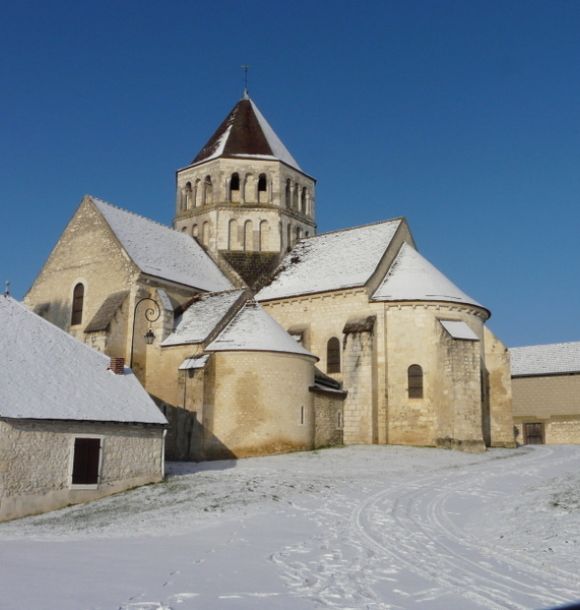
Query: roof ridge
{"points": [[345, 229], [546, 344], [151, 220]]}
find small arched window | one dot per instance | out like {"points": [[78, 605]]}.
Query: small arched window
{"points": [[188, 194], [205, 233], [235, 188], [333, 356], [415, 380], [289, 237], [288, 194], [262, 183], [77, 305], [303, 200], [207, 191]]}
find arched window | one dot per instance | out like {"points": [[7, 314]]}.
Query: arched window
{"points": [[197, 194], [207, 191], [262, 235], [183, 229], [205, 233], [303, 200], [415, 381], [233, 235], [289, 237], [295, 196], [288, 194], [188, 193], [333, 356], [262, 188], [194, 230], [77, 304], [235, 188], [298, 234], [248, 245]]}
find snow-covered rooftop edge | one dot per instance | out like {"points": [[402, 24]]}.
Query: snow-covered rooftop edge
{"points": [[546, 359], [253, 329], [47, 374], [161, 251]]}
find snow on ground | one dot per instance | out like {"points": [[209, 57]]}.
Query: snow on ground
{"points": [[358, 527]]}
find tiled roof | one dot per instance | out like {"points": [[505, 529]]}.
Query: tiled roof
{"points": [[47, 374], [412, 277], [549, 359], [163, 252], [245, 133], [331, 261]]}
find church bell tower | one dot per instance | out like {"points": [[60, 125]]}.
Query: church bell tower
{"points": [[244, 197]]}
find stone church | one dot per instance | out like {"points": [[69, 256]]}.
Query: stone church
{"points": [[256, 335]]}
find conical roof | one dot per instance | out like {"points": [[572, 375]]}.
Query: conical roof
{"points": [[412, 277], [246, 133], [252, 329]]}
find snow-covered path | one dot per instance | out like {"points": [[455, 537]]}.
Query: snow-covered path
{"points": [[359, 527]]}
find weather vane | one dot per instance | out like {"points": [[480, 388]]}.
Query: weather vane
{"points": [[245, 68]]}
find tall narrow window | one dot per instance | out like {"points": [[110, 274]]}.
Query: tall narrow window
{"points": [[415, 380], [205, 233], [235, 188], [248, 235], [207, 191], [86, 461], [333, 356], [288, 194], [262, 188], [303, 200], [188, 195], [289, 237], [77, 306]]}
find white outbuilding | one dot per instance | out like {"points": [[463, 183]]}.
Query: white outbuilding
{"points": [[74, 424]]}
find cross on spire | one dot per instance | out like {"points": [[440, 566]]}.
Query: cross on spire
{"points": [[245, 68]]}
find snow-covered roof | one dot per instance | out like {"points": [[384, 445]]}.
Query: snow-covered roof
{"points": [[201, 317], [412, 277], [549, 359], [47, 374], [252, 329], [458, 329], [331, 261], [161, 251], [196, 362], [246, 133]]}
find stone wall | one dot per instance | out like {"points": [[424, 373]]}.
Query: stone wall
{"points": [[328, 419], [257, 403], [553, 400], [36, 463]]}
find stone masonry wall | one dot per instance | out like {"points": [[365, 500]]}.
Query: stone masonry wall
{"points": [[35, 463], [328, 420], [258, 403]]}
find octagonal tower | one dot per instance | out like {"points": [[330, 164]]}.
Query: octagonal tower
{"points": [[244, 196]]}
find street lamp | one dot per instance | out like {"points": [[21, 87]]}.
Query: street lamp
{"points": [[151, 315]]}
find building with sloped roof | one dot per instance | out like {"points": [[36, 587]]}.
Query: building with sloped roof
{"points": [[546, 393], [73, 426], [224, 316]]}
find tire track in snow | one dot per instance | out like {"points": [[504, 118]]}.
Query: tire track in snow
{"points": [[404, 529], [417, 531]]}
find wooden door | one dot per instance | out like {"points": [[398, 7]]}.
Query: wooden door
{"points": [[534, 433]]}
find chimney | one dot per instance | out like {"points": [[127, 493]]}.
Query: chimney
{"points": [[117, 366]]}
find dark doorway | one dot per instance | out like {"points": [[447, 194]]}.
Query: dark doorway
{"points": [[86, 461], [534, 434]]}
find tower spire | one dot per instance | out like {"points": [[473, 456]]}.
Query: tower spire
{"points": [[246, 94]]}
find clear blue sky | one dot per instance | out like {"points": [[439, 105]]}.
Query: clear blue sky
{"points": [[462, 116]]}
